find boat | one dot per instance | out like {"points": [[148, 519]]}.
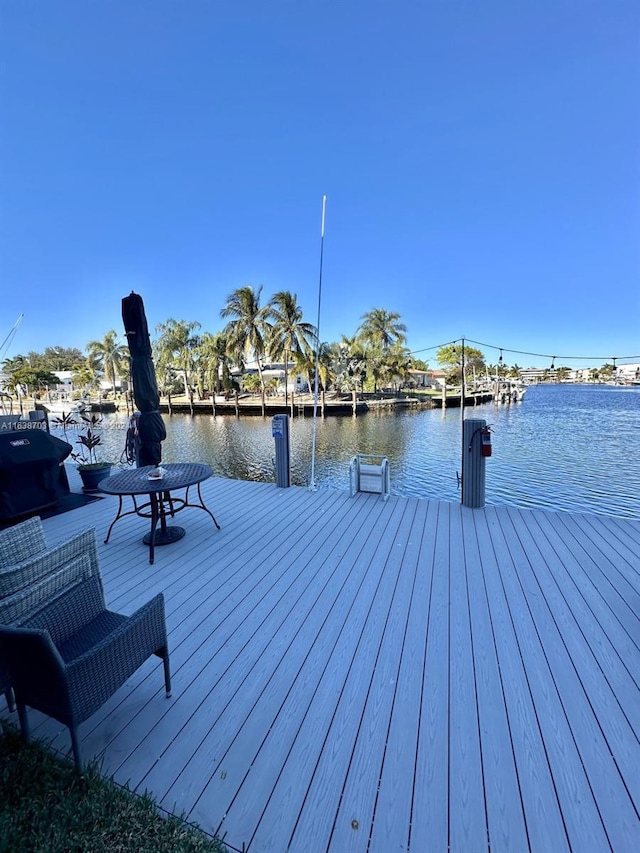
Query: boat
{"points": [[6, 403], [67, 407], [509, 391]]}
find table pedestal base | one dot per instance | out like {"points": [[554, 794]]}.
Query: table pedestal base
{"points": [[162, 505], [165, 537]]}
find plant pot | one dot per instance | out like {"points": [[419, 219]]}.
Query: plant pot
{"points": [[92, 476]]}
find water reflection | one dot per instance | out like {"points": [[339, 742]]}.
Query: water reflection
{"points": [[564, 447]]}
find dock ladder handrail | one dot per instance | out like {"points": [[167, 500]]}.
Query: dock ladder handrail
{"points": [[369, 472]]}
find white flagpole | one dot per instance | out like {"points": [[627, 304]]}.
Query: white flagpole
{"points": [[312, 484]]}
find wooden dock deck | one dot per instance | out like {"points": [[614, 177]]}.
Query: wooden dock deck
{"points": [[359, 675]]}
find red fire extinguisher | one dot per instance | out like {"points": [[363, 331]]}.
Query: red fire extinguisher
{"points": [[485, 438]]}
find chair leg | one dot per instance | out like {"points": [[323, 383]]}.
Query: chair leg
{"points": [[167, 673], [10, 701], [75, 746], [24, 722]]}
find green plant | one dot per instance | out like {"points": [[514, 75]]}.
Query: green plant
{"points": [[64, 422], [89, 440]]}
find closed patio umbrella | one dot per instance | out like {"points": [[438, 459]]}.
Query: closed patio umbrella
{"points": [[151, 430]]}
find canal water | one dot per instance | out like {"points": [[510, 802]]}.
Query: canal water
{"points": [[564, 447]]}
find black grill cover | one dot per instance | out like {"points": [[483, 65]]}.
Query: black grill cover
{"points": [[31, 473]]}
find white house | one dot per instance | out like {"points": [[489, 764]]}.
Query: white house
{"points": [[628, 372]]}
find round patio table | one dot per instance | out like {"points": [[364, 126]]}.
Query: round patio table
{"points": [[161, 502]]}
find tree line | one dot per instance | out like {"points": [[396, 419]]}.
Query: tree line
{"points": [[190, 361]]}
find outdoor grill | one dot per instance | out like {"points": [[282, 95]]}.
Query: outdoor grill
{"points": [[32, 475]]}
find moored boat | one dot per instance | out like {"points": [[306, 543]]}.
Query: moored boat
{"points": [[509, 391], [67, 407]]}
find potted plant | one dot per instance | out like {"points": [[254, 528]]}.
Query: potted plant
{"points": [[91, 468]]}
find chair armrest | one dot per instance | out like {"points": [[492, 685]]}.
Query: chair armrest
{"points": [[100, 671], [23, 574], [37, 669], [21, 541], [23, 605], [70, 611]]}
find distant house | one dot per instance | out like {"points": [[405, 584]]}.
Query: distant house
{"points": [[121, 385], [628, 372], [275, 370], [426, 378], [65, 380], [420, 378], [438, 378], [581, 374], [535, 374]]}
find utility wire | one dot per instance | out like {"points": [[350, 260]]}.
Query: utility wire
{"points": [[565, 357], [601, 358]]}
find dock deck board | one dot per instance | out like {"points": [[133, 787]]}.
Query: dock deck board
{"points": [[358, 675]]}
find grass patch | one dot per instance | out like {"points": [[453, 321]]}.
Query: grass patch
{"points": [[45, 807]]}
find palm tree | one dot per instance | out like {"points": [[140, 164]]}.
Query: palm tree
{"points": [[12, 367], [165, 371], [514, 372], [306, 365], [349, 365], [84, 375], [382, 329], [109, 356], [248, 327], [379, 331], [22, 373], [175, 344], [214, 352], [326, 373], [290, 335], [396, 366]]}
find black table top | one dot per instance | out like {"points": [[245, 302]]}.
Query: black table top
{"points": [[135, 481]]}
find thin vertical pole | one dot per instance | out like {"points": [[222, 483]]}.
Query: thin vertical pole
{"points": [[312, 484], [462, 389]]}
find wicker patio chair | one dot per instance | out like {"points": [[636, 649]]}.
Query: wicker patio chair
{"points": [[74, 654], [32, 574]]}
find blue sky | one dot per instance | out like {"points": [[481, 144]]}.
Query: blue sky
{"points": [[481, 163]]}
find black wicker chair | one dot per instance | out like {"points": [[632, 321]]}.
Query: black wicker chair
{"points": [[33, 573], [74, 654]]}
